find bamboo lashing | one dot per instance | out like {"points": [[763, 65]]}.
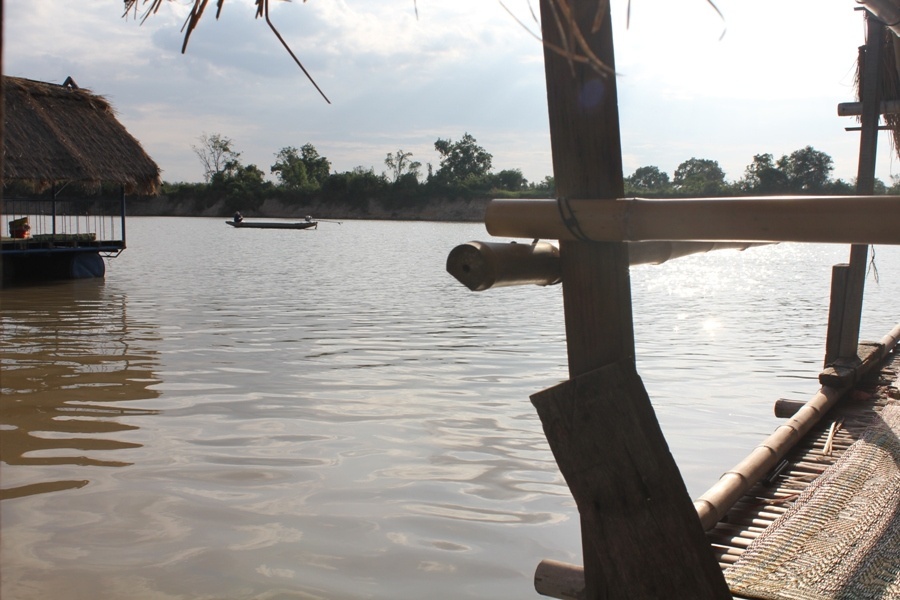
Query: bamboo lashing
{"points": [[814, 219], [485, 265], [561, 580]]}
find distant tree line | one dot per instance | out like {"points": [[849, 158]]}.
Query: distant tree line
{"points": [[804, 171], [465, 171], [303, 176]]}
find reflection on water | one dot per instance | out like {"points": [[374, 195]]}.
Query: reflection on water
{"points": [[69, 358], [328, 414]]}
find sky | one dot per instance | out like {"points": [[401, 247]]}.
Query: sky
{"points": [[765, 77]]}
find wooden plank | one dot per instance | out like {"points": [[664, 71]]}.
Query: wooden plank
{"points": [[630, 495], [865, 180], [839, 275]]}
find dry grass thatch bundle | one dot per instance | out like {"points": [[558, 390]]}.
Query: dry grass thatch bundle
{"points": [[61, 133], [890, 79]]}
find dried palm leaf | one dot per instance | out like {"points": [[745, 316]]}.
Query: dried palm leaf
{"points": [[262, 10]]}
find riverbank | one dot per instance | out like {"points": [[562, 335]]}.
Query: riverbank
{"points": [[457, 210]]}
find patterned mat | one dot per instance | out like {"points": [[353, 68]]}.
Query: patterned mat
{"points": [[841, 538]]}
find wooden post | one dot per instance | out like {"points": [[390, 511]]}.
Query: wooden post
{"points": [[839, 274], [865, 180], [641, 537]]}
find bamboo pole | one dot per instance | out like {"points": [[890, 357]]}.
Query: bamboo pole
{"points": [[855, 109], [828, 219], [482, 266], [712, 505]]}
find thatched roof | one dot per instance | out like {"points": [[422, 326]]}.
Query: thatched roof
{"points": [[61, 133]]}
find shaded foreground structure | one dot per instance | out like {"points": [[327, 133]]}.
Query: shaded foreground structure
{"points": [[64, 140], [642, 536]]}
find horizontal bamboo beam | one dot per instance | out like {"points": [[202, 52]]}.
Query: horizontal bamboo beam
{"points": [[815, 219], [854, 109], [566, 581], [484, 265]]}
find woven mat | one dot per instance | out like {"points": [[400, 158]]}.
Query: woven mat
{"points": [[841, 538]]}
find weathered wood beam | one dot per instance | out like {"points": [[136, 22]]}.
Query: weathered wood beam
{"points": [[482, 266], [612, 453], [829, 219], [872, 54], [624, 501]]}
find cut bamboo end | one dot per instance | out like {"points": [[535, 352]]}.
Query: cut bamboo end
{"points": [[785, 409], [484, 265], [559, 580]]}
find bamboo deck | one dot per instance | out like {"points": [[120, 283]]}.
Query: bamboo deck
{"points": [[819, 449]]}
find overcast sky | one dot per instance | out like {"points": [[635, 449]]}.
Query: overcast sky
{"points": [[770, 84]]}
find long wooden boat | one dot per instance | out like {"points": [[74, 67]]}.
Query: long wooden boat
{"points": [[274, 224]]}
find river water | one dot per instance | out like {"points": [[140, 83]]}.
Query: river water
{"points": [[238, 414]]}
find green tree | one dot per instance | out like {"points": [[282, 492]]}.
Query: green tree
{"points": [[511, 179], [807, 170], [355, 187], [215, 152], [647, 179], [318, 168], [462, 160], [400, 165], [699, 177], [763, 176], [546, 186], [290, 169]]}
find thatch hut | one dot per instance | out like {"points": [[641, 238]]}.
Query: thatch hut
{"points": [[62, 133], [53, 136]]}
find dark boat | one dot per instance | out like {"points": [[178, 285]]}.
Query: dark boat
{"points": [[274, 225]]}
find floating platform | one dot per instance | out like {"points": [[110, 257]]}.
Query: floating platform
{"points": [[273, 224], [46, 257], [835, 495]]}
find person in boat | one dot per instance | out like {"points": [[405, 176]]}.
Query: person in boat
{"points": [[238, 217]]}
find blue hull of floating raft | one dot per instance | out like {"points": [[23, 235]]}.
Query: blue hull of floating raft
{"points": [[48, 267]]}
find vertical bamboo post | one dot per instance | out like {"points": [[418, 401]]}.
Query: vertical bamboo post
{"points": [[865, 180], [641, 537]]}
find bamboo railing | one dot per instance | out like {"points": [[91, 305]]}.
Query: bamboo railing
{"points": [[561, 580], [813, 219]]}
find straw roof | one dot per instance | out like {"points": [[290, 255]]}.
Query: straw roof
{"points": [[61, 133]]}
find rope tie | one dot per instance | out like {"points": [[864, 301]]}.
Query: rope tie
{"points": [[570, 221]]}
